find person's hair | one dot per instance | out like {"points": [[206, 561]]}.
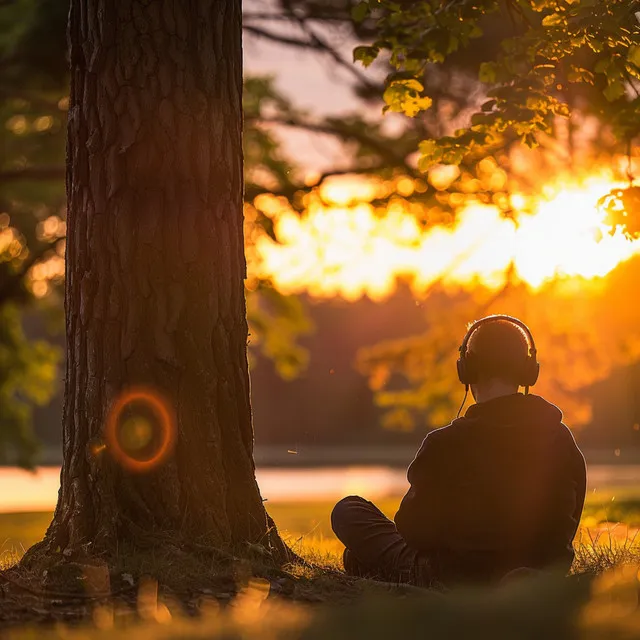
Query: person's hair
{"points": [[499, 349]]}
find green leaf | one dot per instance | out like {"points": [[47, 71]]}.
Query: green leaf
{"points": [[614, 91], [633, 56], [480, 119], [487, 72], [404, 96], [537, 102], [365, 54], [360, 11], [428, 147], [430, 154]]}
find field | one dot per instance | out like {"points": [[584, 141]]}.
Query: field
{"points": [[306, 525], [543, 606]]}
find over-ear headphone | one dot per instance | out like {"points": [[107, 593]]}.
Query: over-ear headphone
{"points": [[468, 366]]}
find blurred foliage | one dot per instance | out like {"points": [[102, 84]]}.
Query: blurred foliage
{"points": [[33, 86], [622, 207], [549, 60], [583, 329], [266, 168], [444, 91], [28, 375], [551, 46], [274, 319], [33, 104]]}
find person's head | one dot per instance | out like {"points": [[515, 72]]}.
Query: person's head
{"points": [[497, 358]]}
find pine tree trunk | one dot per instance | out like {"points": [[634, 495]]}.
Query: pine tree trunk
{"points": [[155, 268]]}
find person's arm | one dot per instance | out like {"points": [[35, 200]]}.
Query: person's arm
{"points": [[418, 517], [580, 475]]}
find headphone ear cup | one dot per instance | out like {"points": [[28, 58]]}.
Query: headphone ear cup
{"points": [[530, 372], [467, 370]]}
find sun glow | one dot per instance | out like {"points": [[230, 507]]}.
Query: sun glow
{"points": [[341, 246]]}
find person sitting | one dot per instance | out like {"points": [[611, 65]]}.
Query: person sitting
{"points": [[499, 489]]}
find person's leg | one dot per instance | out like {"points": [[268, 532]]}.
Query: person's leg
{"points": [[374, 548]]}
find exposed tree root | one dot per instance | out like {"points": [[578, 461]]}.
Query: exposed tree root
{"points": [[48, 584]]}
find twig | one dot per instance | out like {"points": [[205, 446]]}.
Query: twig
{"points": [[33, 173], [331, 129], [275, 37], [323, 45]]}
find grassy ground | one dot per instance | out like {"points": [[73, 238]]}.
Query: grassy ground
{"points": [[544, 606], [306, 525]]}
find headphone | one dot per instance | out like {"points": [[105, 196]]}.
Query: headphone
{"points": [[468, 366]]}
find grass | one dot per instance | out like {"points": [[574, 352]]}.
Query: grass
{"points": [[550, 607], [609, 522], [544, 606]]}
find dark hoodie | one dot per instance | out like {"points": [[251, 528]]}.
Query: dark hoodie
{"points": [[500, 488]]}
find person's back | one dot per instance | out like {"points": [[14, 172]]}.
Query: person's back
{"points": [[501, 488]]}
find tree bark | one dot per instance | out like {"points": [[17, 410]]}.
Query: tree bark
{"points": [[154, 276]]}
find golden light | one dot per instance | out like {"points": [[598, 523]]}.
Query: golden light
{"points": [[342, 246], [43, 123]]}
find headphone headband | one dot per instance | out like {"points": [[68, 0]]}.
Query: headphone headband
{"points": [[468, 369], [532, 344]]}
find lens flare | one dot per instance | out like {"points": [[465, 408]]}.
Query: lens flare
{"points": [[136, 434], [140, 429]]}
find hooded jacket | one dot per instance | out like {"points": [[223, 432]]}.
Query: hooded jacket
{"points": [[500, 488]]}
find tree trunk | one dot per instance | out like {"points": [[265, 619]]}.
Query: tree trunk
{"points": [[154, 286]]}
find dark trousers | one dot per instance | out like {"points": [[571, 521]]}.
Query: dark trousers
{"points": [[374, 548]]}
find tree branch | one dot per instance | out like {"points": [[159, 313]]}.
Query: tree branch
{"points": [[37, 101], [314, 43], [384, 150], [276, 37], [277, 17], [248, 15], [252, 190], [324, 46], [33, 173]]}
